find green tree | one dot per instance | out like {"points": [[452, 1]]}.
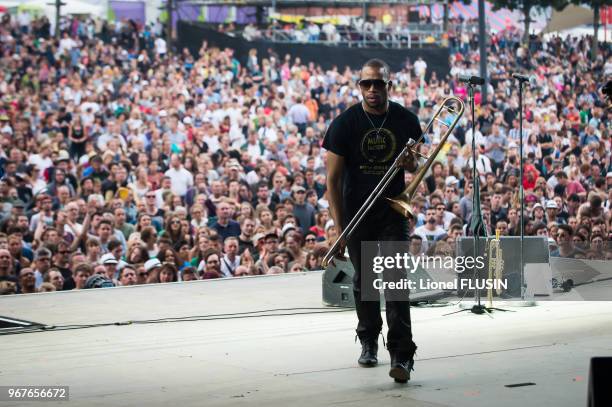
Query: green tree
{"points": [[525, 7], [596, 5]]}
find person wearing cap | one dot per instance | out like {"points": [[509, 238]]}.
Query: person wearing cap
{"points": [[551, 211], [151, 265], [451, 183], [259, 241], [537, 213], [302, 210], [361, 144], [110, 263], [98, 281]]}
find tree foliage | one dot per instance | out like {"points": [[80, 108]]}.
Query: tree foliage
{"points": [[596, 5], [526, 7]]}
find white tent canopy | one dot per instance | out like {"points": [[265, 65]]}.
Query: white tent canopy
{"points": [[570, 17], [9, 3], [581, 31]]}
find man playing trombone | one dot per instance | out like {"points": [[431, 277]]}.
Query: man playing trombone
{"points": [[362, 144]]}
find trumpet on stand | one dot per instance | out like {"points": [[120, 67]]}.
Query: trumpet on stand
{"points": [[496, 265]]}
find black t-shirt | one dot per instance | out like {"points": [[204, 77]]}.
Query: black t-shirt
{"points": [[546, 138], [577, 151], [369, 153], [245, 244], [69, 283]]}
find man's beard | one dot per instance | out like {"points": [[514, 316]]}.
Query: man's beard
{"points": [[377, 106]]}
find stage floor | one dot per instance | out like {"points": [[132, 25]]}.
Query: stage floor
{"points": [[282, 360]]}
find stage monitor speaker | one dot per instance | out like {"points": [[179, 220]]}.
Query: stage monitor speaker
{"points": [[600, 375], [338, 285]]}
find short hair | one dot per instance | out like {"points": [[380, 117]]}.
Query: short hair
{"points": [[47, 275], [230, 239], [113, 243], [189, 270], [539, 226], [147, 233], [83, 268], [42, 252], [93, 241], [105, 221], [209, 253], [377, 63], [243, 221], [567, 229], [126, 267]]}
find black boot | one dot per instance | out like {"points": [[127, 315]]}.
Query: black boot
{"points": [[369, 351], [401, 365]]}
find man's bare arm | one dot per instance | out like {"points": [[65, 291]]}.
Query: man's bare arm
{"points": [[335, 169]]}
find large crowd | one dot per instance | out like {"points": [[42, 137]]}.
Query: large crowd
{"points": [[123, 164]]}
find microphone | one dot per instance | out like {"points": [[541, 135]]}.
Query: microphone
{"points": [[472, 80], [524, 78]]}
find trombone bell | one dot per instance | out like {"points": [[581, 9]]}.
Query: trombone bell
{"points": [[401, 206], [401, 202]]}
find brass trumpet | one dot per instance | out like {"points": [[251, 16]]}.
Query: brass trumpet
{"points": [[496, 264], [402, 203]]}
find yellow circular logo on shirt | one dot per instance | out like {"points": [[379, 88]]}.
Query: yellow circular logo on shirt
{"points": [[378, 146]]}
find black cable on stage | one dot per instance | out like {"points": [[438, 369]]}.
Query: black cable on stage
{"points": [[211, 317]]}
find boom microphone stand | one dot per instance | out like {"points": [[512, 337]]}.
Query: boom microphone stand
{"points": [[522, 79], [477, 227]]}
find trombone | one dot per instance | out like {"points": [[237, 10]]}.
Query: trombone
{"points": [[402, 202]]}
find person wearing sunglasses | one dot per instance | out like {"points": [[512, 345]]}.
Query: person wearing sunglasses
{"points": [[362, 143]]}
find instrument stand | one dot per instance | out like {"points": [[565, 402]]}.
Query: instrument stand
{"points": [[476, 225]]}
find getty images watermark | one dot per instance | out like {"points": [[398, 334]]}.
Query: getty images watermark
{"points": [[409, 263], [390, 267]]}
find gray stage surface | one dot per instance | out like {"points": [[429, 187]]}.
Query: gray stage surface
{"points": [[310, 359]]}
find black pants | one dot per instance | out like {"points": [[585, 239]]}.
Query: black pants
{"points": [[384, 225]]}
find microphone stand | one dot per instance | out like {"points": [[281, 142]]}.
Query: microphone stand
{"points": [[476, 224], [521, 189]]}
